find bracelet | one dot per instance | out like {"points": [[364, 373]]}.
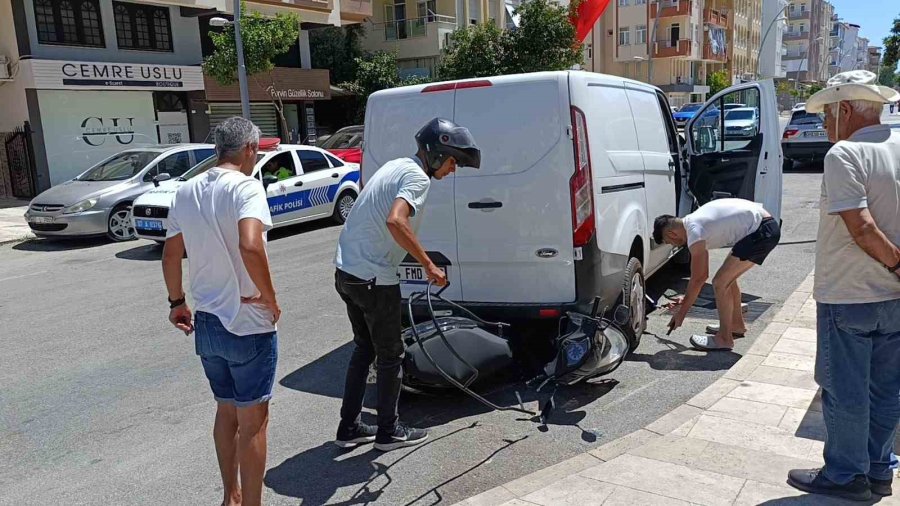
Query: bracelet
{"points": [[895, 268], [175, 303]]}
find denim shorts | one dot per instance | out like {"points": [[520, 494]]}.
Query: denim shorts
{"points": [[240, 369]]}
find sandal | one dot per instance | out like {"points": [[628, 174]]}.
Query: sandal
{"points": [[714, 329], [707, 343]]}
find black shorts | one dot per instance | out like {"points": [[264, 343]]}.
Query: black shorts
{"points": [[757, 246]]}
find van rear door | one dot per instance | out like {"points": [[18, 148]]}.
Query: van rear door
{"points": [[513, 216], [392, 119], [737, 160]]}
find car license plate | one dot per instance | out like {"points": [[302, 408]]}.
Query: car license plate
{"points": [[42, 219], [814, 134], [148, 224], [414, 274]]}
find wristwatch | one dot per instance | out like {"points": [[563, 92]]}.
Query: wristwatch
{"points": [[175, 303]]}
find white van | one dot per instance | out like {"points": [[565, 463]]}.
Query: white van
{"points": [[575, 167]]}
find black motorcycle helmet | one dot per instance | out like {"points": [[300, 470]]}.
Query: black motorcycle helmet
{"points": [[441, 138]]}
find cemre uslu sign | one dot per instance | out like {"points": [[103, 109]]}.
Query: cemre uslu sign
{"points": [[56, 74]]}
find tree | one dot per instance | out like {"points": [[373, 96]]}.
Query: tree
{"points": [[889, 75], [263, 38], [374, 72], [336, 49], [544, 40], [717, 81]]}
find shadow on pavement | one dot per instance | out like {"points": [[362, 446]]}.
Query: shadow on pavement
{"points": [[315, 475], [146, 252], [815, 500], [300, 228], [679, 357], [51, 245]]}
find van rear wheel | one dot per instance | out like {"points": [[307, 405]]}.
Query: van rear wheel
{"points": [[633, 296]]}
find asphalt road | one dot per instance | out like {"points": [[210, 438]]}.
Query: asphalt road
{"points": [[102, 402]]}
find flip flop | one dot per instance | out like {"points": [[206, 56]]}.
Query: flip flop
{"points": [[714, 329], [706, 343]]}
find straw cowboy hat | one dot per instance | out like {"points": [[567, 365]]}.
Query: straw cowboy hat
{"points": [[852, 85]]}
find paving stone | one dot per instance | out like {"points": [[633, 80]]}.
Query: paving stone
{"points": [[670, 480], [540, 479], [785, 377], [675, 419], [623, 496], [789, 361], [517, 502], [672, 449], [751, 464], [773, 394], [755, 493], [801, 334], [615, 448], [804, 424], [493, 497], [573, 490], [749, 411], [776, 328], [795, 346], [763, 344], [762, 438], [744, 367], [686, 427], [711, 394]]}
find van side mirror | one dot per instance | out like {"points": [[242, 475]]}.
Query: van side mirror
{"points": [[269, 179], [165, 176]]}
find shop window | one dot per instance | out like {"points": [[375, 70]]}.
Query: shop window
{"points": [[69, 22], [143, 27]]}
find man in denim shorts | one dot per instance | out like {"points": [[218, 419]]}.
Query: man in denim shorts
{"points": [[221, 218]]}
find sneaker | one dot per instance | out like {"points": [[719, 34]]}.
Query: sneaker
{"points": [[401, 438], [349, 437], [881, 487], [814, 482]]}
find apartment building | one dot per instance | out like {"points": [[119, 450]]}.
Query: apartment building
{"points": [[673, 44], [418, 30], [807, 38], [862, 53], [873, 59], [745, 39], [844, 44], [772, 47]]}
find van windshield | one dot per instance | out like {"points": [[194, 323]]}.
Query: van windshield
{"points": [[120, 167]]}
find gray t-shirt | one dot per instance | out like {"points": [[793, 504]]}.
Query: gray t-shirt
{"points": [[366, 248], [862, 172], [722, 223]]}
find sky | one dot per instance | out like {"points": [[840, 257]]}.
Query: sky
{"points": [[874, 17]]}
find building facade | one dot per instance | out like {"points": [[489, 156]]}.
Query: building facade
{"points": [[807, 39], [844, 46], [746, 37], [873, 60], [93, 77], [772, 47]]}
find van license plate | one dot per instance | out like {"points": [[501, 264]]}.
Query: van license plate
{"points": [[815, 134], [414, 274], [148, 224]]}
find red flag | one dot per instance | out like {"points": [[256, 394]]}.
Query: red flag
{"points": [[588, 13]]}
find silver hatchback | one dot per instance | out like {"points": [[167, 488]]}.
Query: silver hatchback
{"points": [[98, 202]]}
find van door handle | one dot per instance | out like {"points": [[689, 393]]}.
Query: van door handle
{"points": [[335, 175], [486, 205], [298, 183], [725, 160]]}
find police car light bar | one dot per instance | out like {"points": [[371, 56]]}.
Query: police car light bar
{"points": [[269, 143]]}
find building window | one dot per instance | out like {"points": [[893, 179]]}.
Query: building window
{"points": [[640, 2], [640, 34], [624, 36], [69, 22], [142, 27], [802, 7], [623, 3]]}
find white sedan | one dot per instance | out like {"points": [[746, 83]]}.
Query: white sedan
{"points": [[303, 183]]}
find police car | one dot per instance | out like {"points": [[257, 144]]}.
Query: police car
{"points": [[303, 183]]}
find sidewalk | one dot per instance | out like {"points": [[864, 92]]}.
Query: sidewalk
{"points": [[12, 221], [733, 443]]}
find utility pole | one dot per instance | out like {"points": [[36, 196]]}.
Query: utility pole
{"points": [[242, 68]]}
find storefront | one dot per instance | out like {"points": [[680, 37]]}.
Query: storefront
{"points": [[87, 111], [295, 90]]}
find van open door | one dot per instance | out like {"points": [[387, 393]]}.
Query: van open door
{"points": [[734, 147]]}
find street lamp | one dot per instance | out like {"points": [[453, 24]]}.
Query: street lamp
{"points": [[805, 57], [781, 15], [242, 69]]}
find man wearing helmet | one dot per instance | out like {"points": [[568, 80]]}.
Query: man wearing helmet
{"points": [[378, 234]]}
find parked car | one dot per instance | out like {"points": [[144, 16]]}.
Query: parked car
{"points": [[804, 138], [99, 201], [799, 106], [303, 183], [685, 113], [562, 209], [346, 144], [728, 107], [741, 122]]}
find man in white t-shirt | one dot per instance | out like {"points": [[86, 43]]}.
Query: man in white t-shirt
{"points": [[857, 291], [741, 224], [220, 219]]}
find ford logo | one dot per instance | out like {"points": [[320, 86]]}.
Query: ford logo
{"points": [[546, 253]]}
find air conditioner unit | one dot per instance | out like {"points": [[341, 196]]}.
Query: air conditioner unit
{"points": [[4, 67]]}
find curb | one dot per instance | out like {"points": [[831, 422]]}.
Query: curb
{"points": [[679, 421]]}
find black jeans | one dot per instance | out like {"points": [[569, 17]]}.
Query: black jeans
{"points": [[374, 312]]}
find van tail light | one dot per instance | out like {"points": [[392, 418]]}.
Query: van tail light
{"points": [[790, 132], [581, 185]]}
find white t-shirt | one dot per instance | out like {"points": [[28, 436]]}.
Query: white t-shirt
{"points": [[366, 248], [723, 222], [862, 172], [206, 210]]}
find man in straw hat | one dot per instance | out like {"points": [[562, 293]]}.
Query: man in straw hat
{"points": [[857, 290]]}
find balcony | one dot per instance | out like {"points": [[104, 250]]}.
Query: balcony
{"points": [[792, 35], [356, 10], [715, 17], [411, 38], [710, 55], [666, 49], [792, 15], [670, 8]]}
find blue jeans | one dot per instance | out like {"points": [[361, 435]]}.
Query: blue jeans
{"points": [[240, 369], [858, 368]]}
